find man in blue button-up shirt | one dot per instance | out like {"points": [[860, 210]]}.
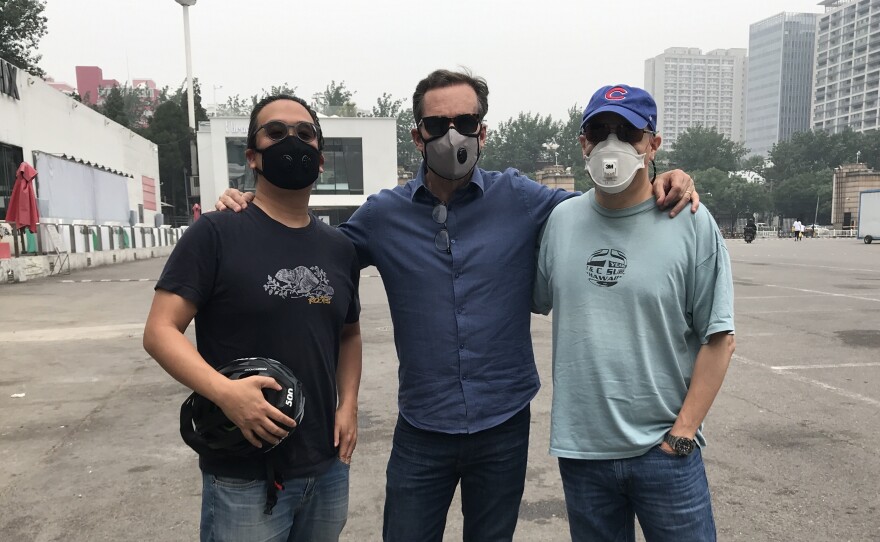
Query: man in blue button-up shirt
{"points": [[456, 251]]}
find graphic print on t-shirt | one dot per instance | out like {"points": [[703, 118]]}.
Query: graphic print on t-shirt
{"points": [[606, 267], [301, 282]]}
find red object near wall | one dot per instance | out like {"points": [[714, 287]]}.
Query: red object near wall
{"points": [[22, 207]]}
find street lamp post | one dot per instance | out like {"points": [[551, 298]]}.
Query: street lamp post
{"points": [[190, 92], [552, 146]]}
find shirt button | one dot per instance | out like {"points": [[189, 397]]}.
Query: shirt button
{"points": [[461, 347], [460, 310], [457, 275]]}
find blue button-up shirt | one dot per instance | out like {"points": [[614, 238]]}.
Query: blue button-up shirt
{"points": [[461, 319]]}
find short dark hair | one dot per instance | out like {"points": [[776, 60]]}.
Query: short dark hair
{"points": [[252, 127], [447, 78]]}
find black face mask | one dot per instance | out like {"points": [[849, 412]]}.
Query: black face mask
{"points": [[290, 164]]}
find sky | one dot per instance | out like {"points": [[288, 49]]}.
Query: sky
{"points": [[539, 56]]}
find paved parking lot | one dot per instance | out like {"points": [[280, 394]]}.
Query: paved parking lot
{"points": [[90, 450]]}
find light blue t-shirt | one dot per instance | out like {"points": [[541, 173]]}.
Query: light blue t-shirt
{"points": [[634, 295]]}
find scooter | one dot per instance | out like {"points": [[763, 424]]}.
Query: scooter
{"points": [[748, 235]]}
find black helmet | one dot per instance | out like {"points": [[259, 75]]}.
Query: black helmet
{"points": [[207, 430]]}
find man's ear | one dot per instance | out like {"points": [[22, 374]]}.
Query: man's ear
{"points": [[656, 140], [484, 134], [251, 158], [321, 164], [583, 141], [417, 140]]}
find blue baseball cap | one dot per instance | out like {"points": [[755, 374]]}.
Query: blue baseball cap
{"points": [[632, 103]]}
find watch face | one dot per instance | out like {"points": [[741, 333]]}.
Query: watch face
{"points": [[684, 446]]}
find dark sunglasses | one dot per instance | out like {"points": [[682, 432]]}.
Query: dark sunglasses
{"points": [[596, 132], [438, 126], [441, 240], [277, 130]]}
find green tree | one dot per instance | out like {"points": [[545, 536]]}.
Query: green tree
{"points": [[113, 107], [125, 106], [408, 156], [796, 196], [22, 26], [236, 106], [386, 106], [182, 99], [336, 100], [169, 130], [518, 143], [730, 197], [701, 148], [571, 154]]}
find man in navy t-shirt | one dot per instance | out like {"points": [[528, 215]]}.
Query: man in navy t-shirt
{"points": [[275, 282]]}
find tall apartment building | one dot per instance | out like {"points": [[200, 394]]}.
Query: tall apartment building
{"points": [[693, 88], [847, 81], [780, 79]]}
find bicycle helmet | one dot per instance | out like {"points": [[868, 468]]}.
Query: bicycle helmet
{"points": [[207, 430]]}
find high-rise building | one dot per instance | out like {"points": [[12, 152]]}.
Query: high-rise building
{"points": [[693, 88], [847, 81], [780, 79]]}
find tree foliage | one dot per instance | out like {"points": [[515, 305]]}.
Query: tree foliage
{"points": [[336, 100], [22, 26], [518, 143], [124, 105], [169, 130], [700, 148]]}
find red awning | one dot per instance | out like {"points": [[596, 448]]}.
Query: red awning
{"points": [[22, 208]]}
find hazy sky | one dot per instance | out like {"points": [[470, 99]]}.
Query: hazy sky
{"points": [[539, 55]]}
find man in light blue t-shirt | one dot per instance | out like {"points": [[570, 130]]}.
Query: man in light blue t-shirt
{"points": [[642, 337]]}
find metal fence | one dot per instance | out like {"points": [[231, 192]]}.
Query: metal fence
{"points": [[53, 238]]}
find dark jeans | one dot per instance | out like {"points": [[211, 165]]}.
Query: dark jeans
{"points": [[669, 495], [425, 467]]}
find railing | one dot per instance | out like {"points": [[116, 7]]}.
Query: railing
{"points": [[51, 238]]}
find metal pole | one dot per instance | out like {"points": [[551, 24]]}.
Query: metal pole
{"points": [[191, 101], [189, 80], [816, 216]]}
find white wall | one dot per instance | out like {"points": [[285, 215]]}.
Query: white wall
{"points": [[48, 121], [378, 137]]}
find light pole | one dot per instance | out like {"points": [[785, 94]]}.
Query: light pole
{"points": [[552, 146], [215, 93], [190, 93]]}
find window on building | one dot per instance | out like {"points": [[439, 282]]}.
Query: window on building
{"points": [[343, 167], [240, 175], [10, 158]]}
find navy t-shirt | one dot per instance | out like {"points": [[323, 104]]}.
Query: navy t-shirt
{"points": [[264, 289]]}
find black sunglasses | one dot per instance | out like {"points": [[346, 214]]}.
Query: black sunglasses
{"points": [[441, 240], [438, 126], [596, 132], [277, 130]]}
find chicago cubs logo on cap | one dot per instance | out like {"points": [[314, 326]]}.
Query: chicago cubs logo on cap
{"points": [[632, 103], [616, 93]]}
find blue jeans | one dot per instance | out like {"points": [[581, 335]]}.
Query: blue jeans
{"points": [[425, 467], [669, 494], [309, 509]]}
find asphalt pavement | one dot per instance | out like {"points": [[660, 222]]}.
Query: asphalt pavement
{"points": [[90, 448]]}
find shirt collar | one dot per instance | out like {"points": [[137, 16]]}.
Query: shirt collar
{"points": [[418, 184]]}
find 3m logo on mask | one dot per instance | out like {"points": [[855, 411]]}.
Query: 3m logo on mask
{"points": [[606, 267]]}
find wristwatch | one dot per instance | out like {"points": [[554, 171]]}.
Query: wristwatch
{"points": [[682, 446]]}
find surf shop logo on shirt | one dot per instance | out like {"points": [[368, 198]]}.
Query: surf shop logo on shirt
{"points": [[303, 281], [606, 266]]}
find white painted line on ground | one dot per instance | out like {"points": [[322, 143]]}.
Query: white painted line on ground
{"points": [[823, 293], [824, 366], [72, 333], [810, 381], [786, 264]]}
